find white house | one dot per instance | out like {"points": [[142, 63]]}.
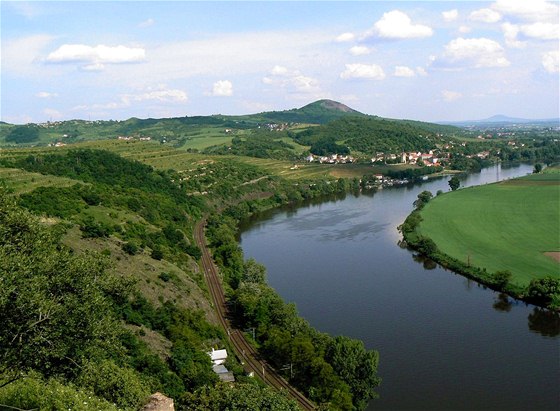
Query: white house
{"points": [[218, 357]]}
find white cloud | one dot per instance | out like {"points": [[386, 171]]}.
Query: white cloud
{"points": [[96, 56], [403, 71], [485, 16], [46, 94], [397, 25], [279, 71], [344, 37], [222, 88], [293, 81], [550, 61], [451, 15], [480, 52], [146, 23], [365, 71], [528, 10], [510, 35], [536, 31], [541, 31], [359, 50], [464, 29], [449, 95]]}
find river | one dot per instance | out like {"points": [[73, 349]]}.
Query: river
{"points": [[445, 342]]}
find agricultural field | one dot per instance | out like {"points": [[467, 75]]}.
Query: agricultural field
{"points": [[513, 225]]}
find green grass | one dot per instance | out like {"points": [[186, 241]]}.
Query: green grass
{"points": [[504, 226], [21, 181]]}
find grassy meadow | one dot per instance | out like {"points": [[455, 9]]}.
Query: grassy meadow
{"points": [[503, 226]]}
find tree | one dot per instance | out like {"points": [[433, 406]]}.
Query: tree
{"points": [[502, 278], [538, 168], [454, 183], [56, 308], [356, 366], [423, 198]]}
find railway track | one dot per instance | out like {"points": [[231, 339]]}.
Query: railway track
{"points": [[245, 351]]}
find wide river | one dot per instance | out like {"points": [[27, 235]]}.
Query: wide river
{"points": [[445, 343]]}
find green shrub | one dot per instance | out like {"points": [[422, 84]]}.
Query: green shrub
{"points": [[119, 385], [33, 393]]}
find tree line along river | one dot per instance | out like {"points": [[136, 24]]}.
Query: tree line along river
{"points": [[445, 342]]}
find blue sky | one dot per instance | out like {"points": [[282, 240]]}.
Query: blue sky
{"points": [[430, 61]]}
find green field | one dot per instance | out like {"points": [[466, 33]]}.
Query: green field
{"points": [[504, 226]]}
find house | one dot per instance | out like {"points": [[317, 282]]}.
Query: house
{"points": [[218, 358]]}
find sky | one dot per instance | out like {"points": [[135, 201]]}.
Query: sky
{"points": [[421, 60]]}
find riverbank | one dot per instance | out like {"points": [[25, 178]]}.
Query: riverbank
{"points": [[497, 234]]}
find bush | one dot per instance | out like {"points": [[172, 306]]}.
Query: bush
{"points": [[34, 393], [157, 254], [130, 248], [119, 385]]}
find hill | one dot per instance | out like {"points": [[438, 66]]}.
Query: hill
{"points": [[318, 112]]}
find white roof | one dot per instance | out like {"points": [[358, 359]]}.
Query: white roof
{"points": [[217, 355]]}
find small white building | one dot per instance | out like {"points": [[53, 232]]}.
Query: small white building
{"points": [[218, 357]]}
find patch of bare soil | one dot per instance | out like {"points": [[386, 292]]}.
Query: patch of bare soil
{"points": [[554, 255]]}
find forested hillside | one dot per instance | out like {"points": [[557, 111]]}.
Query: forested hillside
{"points": [[103, 303]]}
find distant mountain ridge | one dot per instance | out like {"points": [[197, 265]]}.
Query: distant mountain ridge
{"points": [[501, 119]]}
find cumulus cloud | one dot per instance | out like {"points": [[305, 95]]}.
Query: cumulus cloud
{"points": [[403, 71], [449, 95], [292, 80], [344, 37], [359, 50], [510, 35], [541, 31], [397, 25], [550, 61], [528, 10], [477, 53], [222, 88], [464, 29], [534, 31], [46, 94], [96, 57], [485, 16], [364, 71], [449, 16]]}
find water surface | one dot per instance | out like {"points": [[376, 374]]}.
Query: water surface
{"points": [[445, 342]]}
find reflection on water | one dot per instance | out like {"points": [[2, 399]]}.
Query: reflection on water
{"points": [[445, 341], [544, 322], [503, 303]]}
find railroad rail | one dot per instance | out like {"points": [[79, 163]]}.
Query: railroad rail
{"points": [[245, 351]]}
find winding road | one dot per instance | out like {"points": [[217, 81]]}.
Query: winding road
{"points": [[245, 352]]}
